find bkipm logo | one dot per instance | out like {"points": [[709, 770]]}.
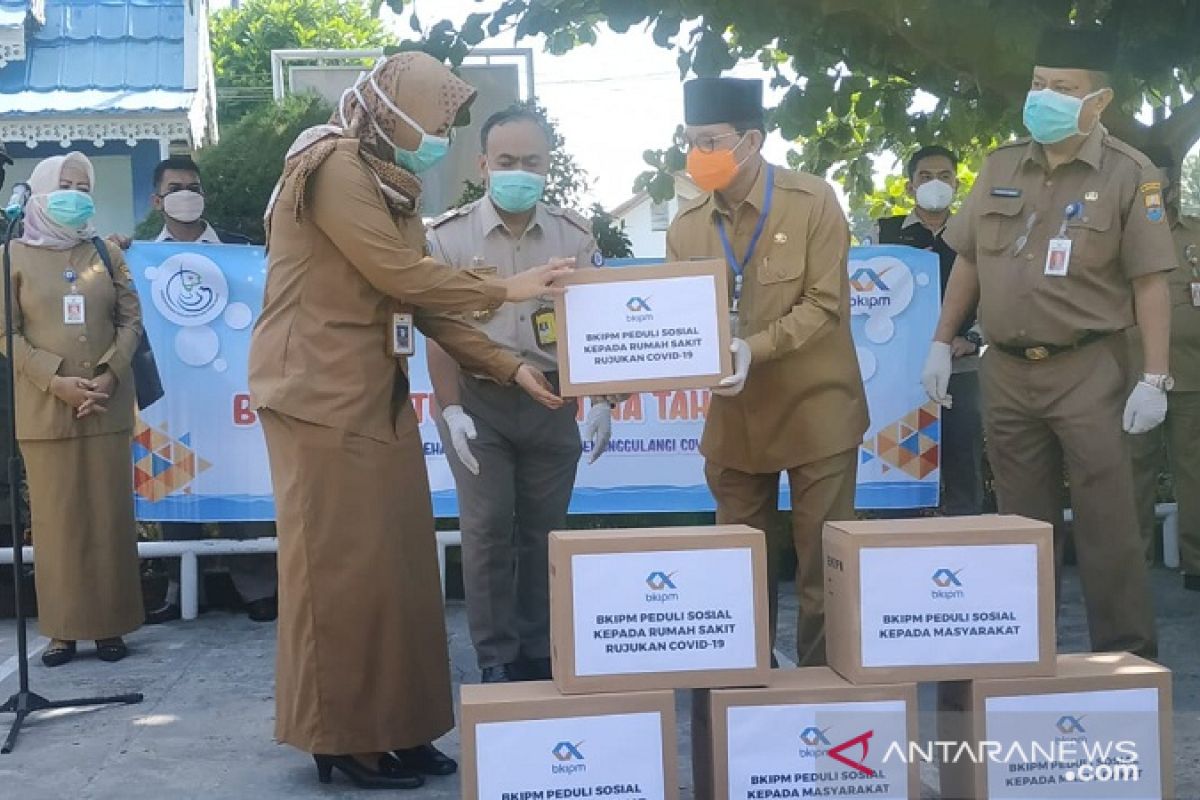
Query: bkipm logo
{"points": [[662, 587], [815, 741], [816, 744], [949, 585], [569, 758], [639, 309], [1071, 728], [870, 290]]}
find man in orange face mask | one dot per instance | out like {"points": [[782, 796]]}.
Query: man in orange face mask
{"points": [[795, 403]]}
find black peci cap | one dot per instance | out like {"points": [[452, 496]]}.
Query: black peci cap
{"points": [[707, 101], [1077, 48]]}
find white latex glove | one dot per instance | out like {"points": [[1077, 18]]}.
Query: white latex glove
{"points": [[598, 429], [462, 432], [733, 385], [939, 365], [1145, 409]]}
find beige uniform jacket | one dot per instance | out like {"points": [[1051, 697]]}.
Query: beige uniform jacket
{"points": [[321, 349], [804, 398], [1185, 317], [474, 237], [1117, 228], [45, 346]]}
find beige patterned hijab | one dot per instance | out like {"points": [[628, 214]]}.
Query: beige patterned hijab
{"points": [[42, 230], [416, 85]]}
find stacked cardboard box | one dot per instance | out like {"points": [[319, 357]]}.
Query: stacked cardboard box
{"points": [[965, 602]]}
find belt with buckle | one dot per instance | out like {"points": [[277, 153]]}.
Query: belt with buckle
{"points": [[1040, 352]]}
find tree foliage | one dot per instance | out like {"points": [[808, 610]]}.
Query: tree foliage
{"points": [[851, 70], [242, 39], [566, 185], [241, 170]]}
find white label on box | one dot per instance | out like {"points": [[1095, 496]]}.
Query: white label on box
{"points": [[664, 611], [933, 606], [818, 750], [630, 330], [618, 756], [1084, 745]]}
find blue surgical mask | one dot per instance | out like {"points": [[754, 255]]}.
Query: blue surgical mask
{"points": [[70, 208], [515, 190], [431, 150], [1052, 116]]}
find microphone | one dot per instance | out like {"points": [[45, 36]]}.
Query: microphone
{"points": [[16, 204]]}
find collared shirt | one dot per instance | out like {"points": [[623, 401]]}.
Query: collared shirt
{"points": [[208, 237], [474, 237], [1018, 205], [804, 399], [1185, 317]]}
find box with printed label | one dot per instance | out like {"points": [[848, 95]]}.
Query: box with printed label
{"points": [[946, 598], [658, 608], [1100, 729], [809, 733], [526, 741]]}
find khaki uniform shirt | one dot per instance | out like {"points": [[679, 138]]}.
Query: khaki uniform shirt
{"points": [[321, 349], [804, 399], [474, 237], [45, 346], [1185, 317], [1017, 206]]}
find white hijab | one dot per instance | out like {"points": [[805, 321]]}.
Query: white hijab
{"points": [[41, 230]]}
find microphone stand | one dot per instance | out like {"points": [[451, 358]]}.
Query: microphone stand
{"points": [[25, 702]]}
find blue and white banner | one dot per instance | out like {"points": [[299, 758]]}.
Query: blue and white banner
{"points": [[199, 453]]}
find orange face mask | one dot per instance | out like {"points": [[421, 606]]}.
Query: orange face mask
{"points": [[713, 171]]}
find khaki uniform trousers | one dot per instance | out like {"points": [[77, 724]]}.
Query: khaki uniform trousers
{"points": [[1180, 435], [1066, 411], [821, 491]]}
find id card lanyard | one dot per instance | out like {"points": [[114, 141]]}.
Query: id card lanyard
{"points": [[1191, 254], [74, 309], [738, 267]]}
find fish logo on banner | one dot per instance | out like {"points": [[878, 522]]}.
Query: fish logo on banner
{"points": [[568, 756], [814, 736], [1068, 725]]}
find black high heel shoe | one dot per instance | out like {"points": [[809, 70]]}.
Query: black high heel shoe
{"points": [[426, 760], [390, 774]]}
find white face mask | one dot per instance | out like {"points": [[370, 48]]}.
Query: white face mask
{"points": [[935, 195], [184, 205]]}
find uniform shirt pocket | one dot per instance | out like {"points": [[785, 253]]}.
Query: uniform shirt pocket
{"points": [[782, 263], [1001, 223], [1095, 237]]}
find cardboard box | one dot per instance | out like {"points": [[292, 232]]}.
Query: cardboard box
{"points": [[943, 598], [810, 733], [525, 741], [644, 329], [1101, 707], [658, 608]]}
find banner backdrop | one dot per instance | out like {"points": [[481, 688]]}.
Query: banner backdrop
{"points": [[199, 453]]}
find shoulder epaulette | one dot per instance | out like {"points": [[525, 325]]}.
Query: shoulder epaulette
{"points": [[573, 217]]}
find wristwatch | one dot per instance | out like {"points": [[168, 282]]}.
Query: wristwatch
{"points": [[1163, 382], [974, 338]]}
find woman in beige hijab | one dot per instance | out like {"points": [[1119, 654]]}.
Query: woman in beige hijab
{"points": [[75, 330], [362, 673]]}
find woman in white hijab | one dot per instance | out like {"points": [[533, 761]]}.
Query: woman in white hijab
{"points": [[76, 325]]}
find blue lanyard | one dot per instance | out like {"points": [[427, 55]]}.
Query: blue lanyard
{"points": [[739, 266]]}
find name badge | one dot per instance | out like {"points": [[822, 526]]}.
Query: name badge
{"points": [[402, 335], [1195, 294], [545, 329], [74, 309], [1058, 258]]}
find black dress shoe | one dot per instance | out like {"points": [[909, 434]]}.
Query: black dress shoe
{"points": [[501, 674], [58, 655], [167, 612], [427, 760], [1191, 583], [111, 649], [389, 773], [264, 610], [535, 669]]}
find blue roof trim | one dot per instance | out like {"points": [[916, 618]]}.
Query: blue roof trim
{"points": [[109, 45]]}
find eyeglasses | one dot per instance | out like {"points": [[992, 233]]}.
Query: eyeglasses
{"points": [[708, 144]]}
